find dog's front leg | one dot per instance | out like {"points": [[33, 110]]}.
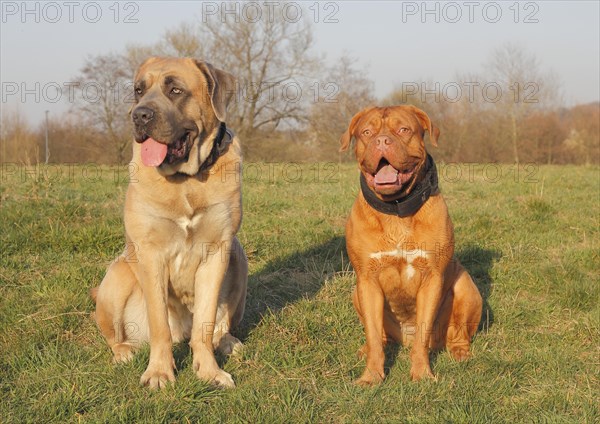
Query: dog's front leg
{"points": [[428, 302], [208, 280], [153, 276], [370, 300]]}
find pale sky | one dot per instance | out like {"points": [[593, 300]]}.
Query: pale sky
{"points": [[394, 42]]}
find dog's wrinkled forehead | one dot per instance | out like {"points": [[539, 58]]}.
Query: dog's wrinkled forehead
{"points": [[372, 121], [382, 118], [169, 74]]}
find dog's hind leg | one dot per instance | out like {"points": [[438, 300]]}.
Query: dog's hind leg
{"points": [[118, 288], [464, 315], [232, 301]]}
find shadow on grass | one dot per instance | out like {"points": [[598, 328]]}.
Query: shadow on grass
{"points": [[283, 281], [287, 280], [478, 262]]}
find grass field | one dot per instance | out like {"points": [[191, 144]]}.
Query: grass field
{"points": [[529, 236]]}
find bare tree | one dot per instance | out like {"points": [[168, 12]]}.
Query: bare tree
{"points": [[582, 142], [269, 57], [523, 86], [344, 91], [136, 54], [18, 141], [102, 100], [184, 41]]}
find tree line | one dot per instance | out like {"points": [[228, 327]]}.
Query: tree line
{"points": [[291, 107]]}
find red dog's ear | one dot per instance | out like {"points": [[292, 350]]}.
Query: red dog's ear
{"points": [[347, 136], [423, 118]]}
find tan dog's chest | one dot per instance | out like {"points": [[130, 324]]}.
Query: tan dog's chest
{"points": [[194, 240], [188, 227]]}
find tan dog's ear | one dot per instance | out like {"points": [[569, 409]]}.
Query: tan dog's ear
{"points": [[423, 118], [221, 88], [347, 136]]}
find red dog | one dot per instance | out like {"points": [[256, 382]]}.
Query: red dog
{"points": [[400, 241]]}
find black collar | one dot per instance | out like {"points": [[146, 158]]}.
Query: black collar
{"points": [[410, 204], [218, 147]]}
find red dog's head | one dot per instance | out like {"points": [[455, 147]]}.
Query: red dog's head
{"points": [[389, 147]]}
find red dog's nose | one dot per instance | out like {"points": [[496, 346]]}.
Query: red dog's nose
{"points": [[383, 142]]}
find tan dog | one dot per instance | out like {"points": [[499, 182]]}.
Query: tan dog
{"points": [[183, 273], [400, 241]]}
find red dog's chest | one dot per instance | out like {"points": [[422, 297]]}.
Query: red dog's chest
{"points": [[399, 273]]}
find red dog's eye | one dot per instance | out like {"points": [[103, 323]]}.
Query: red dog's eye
{"points": [[404, 130], [367, 132]]}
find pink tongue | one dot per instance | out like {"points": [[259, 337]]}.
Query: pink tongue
{"points": [[386, 175], [153, 152]]}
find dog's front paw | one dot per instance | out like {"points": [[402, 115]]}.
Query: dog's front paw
{"points": [[217, 377], [229, 345], [123, 352], [369, 378], [418, 371], [459, 353], [157, 376], [223, 380]]}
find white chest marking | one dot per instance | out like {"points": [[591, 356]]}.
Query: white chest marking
{"points": [[178, 260], [189, 224], [409, 272], [408, 255]]}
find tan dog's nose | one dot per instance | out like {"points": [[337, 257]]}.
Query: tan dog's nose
{"points": [[383, 142]]}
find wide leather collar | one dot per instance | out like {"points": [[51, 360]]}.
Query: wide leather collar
{"points": [[409, 204], [219, 146]]}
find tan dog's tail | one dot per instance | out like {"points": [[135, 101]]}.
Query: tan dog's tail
{"points": [[94, 293]]}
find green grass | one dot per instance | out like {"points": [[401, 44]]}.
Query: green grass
{"points": [[530, 240]]}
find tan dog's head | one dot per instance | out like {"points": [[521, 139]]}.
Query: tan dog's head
{"points": [[180, 103], [389, 147]]}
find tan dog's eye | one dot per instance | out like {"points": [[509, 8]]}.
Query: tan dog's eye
{"points": [[176, 91], [138, 91], [366, 133]]}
